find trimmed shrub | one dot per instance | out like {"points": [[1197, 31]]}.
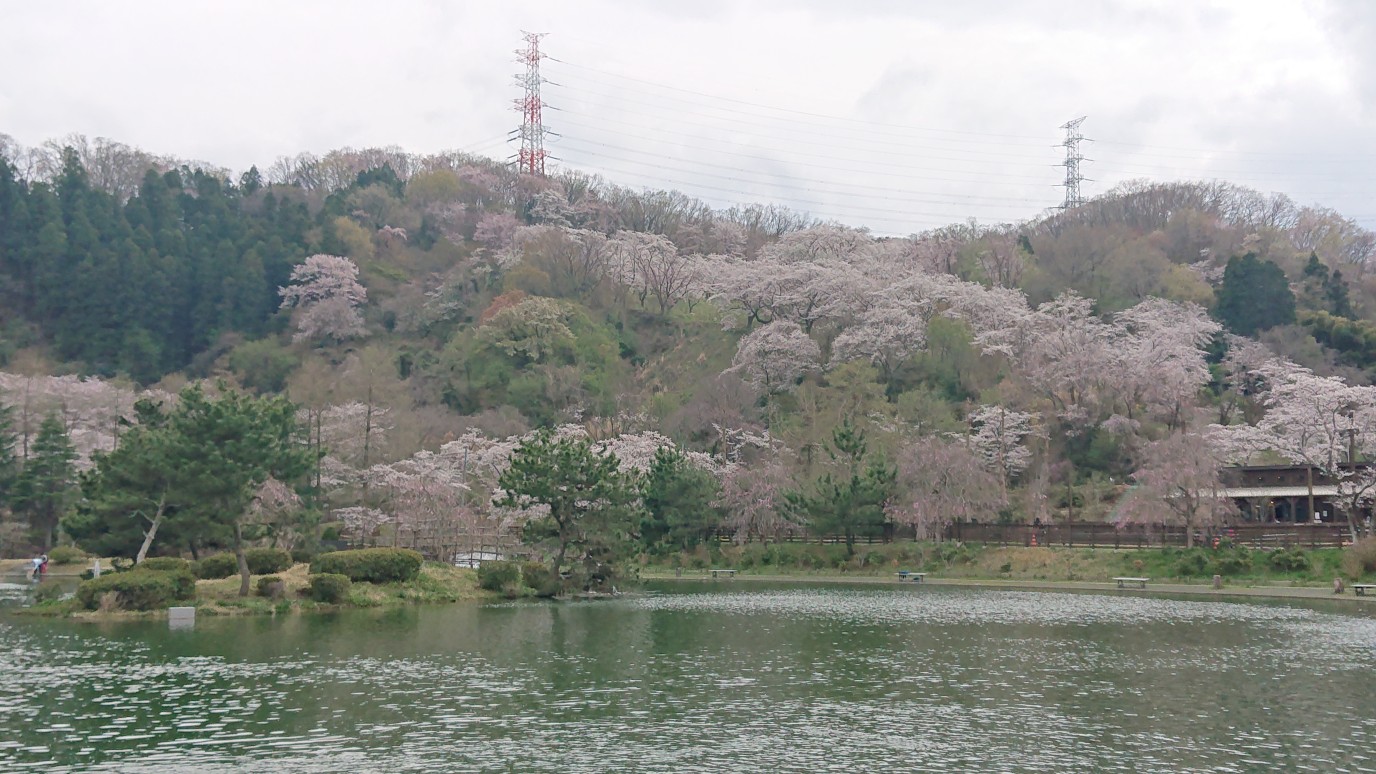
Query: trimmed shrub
{"points": [[66, 555], [541, 579], [138, 589], [271, 586], [266, 561], [329, 588], [165, 564], [217, 566], [371, 565], [499, 576], [302, 555]]}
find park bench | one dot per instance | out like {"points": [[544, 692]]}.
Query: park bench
{"points": [[1360, 588], [1141, 582], [727, 573], [915, 577]]}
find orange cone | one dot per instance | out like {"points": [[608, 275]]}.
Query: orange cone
{"points": [[1034, 540]]}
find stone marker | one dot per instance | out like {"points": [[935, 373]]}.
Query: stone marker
{"points": [[1218, 581], [1337, 585], [95, 569], [181, 617]]}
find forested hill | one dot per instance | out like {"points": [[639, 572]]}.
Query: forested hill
{"points": [[462, 300]]}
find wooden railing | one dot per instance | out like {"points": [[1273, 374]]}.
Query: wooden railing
{"points": [[1097, 535]]}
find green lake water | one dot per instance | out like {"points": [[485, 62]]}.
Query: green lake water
{"points": [[697, 677]]}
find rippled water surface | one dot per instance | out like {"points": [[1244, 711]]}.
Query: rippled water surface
{"points": [[722, 677]]}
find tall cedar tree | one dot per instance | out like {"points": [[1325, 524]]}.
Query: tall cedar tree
{"points": [[1254, 296], [44, 486]]}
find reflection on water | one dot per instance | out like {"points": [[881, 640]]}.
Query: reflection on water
{"points": [[693, 678]]}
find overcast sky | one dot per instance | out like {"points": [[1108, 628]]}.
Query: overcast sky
{"points": [[896, 114]]}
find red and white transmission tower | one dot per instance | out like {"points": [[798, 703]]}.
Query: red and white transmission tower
{"points": [[530, 159]]}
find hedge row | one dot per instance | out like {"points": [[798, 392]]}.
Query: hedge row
{"points": [[139, 589], [261, 561], [371, 565]]}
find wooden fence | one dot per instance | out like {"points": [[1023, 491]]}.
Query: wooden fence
{"points": [[1099, 535]]}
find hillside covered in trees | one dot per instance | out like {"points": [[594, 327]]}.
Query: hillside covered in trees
{"points": [[759, 371]]}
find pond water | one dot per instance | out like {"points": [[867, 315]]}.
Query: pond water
{"points": [[729, 676]]}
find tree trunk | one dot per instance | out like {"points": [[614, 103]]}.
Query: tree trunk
{"points": [[1309, 477], [152, 531], [243, 560]]}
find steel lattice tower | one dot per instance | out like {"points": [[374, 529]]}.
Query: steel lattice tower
{"points": [[1073, 178], [531, 157]]}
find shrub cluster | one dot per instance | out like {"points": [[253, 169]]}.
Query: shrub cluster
{"points": [[371, 565], [139, 589], [217, 566], [329, 588], [499, 576], [519, 579], [265, 561], [165, 564], [66, 555], [270, 586], [1290, 560]]}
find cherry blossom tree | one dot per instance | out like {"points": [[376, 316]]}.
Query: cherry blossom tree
{"points": [[1177, 483], [941, 480], [1162, 350], [753, 497], [654, 268], [326, 291], [775, 357], [999, 436]]}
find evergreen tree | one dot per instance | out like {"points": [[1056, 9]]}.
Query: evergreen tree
{"points": [[43, 488], [588, 499], [1254, 296], [9, 463], [678, 499], [849, 496]]}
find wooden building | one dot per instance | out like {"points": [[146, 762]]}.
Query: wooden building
{"points": [[1281, 494]]}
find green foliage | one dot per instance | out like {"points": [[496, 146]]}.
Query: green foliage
{"points": [[1355, 340], [165, 564], [500, 576], [303, 555], [66, 555], [138, 589], [849, 496], [263, 561], [196, 467], [678, 499], [1254, 296], [329, 588], [216, 566], [591, 503], [43, 489], [262, 365], [47, 592], [1293, 559], [9, 464], [269, 586], [541, 580], [371, 565]]}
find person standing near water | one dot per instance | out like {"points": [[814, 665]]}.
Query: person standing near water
{"points": [[37, 573]]}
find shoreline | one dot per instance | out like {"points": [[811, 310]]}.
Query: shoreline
{"points": [[1153, 588]]}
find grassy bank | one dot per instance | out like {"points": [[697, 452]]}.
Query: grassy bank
{"points": [[436, 583], [953, 561]]}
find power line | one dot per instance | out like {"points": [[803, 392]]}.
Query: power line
{"points": [[1073, 157]]}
